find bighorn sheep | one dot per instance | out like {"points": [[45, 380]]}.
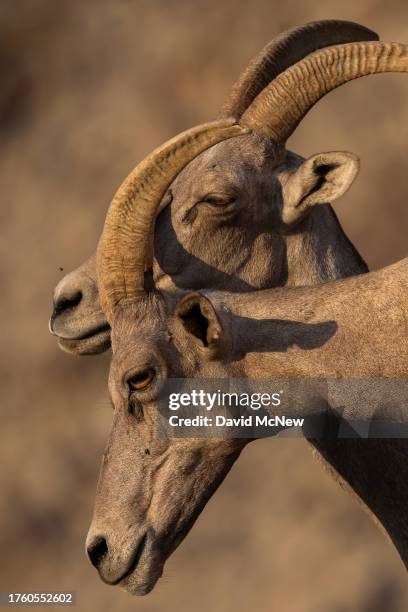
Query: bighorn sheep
{"points": [[151, 490], [243, 214]]}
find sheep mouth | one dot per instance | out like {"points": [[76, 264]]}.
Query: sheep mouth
{"points": [[96, 331], [96, 340], [149, 558], [145, 568]]}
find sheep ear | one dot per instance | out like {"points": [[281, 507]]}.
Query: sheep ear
{"points": [[321, 179], [199, 318]]}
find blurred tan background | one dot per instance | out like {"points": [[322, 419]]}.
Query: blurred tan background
{"points": [[87, 89]]}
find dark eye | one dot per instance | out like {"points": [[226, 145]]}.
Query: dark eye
{"points": [[141, 380]]}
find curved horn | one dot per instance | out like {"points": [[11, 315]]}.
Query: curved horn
{"points": [[125, 241], [284, 51], [279, 108]]}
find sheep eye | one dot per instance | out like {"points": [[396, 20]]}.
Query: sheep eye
{"points": [[141, 380], [218, 200]]}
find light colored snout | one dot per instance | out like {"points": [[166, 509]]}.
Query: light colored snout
{"points": [[128, 558], [77, 319]]}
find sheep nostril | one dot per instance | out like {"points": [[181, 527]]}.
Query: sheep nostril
{"points": [[65, 303], [97, 551]]}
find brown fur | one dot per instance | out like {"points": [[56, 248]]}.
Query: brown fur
{"points": [[277, 230], [154, 489], [270, 234]]}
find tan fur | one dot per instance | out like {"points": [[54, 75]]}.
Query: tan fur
{"points": [[354, 328], [241, 246], [271, 234]]}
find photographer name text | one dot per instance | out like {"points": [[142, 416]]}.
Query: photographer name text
{"points": [[242, 421]]}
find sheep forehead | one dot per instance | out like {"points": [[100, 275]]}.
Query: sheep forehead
{"points": [[231, 157], [139, 318]]}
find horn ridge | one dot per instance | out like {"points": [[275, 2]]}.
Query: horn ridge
{"points": [[285, 50], [280, 107]]}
